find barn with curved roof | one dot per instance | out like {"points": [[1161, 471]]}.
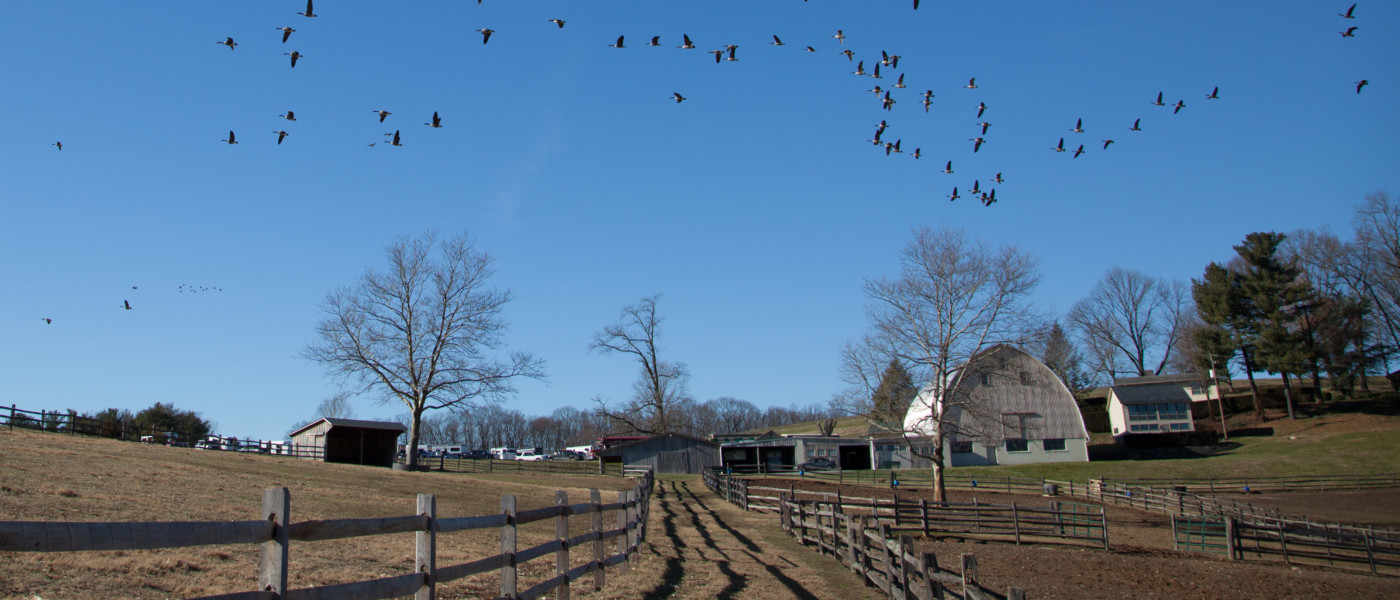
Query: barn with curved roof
{"points": [[1008, 409]]}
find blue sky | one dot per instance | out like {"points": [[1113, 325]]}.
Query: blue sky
{"points": [[755, 207]]}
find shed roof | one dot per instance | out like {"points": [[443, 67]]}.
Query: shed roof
{"points": [[617, 450], [354, 423], [1156, 379], [1148, 394]]}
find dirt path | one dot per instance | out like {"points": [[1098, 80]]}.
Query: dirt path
{"points": [[703, 547]]}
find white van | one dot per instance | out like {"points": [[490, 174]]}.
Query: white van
{"points": [[503, 453]]}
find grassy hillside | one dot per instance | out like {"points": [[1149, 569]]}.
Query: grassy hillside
{"points": [[52, 477]]}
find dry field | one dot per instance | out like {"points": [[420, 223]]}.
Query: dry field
{"points": [[1142, 563], [50, 477]]}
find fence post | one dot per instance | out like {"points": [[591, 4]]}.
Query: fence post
{"points": [[12, 417], [969, 574], [561, 531], [1103, 525], [623, 525], [634, 526], [895, 495], [1283, 542], [923, 515], [273, 554], [851, 544], [933, 589], [599, 577], [425, 547], [1230, 541], [1370, 542], [884, 530], [508, 574], [905, 543]]}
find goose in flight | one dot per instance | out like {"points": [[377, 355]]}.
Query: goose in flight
{"points": [[655, 41], [382, 114], [59, 145], [1135, 125], [286, 33], [486, 34], [718, 55], [984, 125], [900, 83], [971, 84], [998, 178], [1348, 14], [1106, 143], [1159, 100], [977, 143], [295, 55], [850, 56], [954, 195], [308, 12], [437, 121], [876, 73], [1361, 84], [1078, 126], [981, 108], [1061, 147], [290, 116], [228, 42], [559, 22], [916, 153], [678, 97], [927, 102], [47, 321], [688, 45], [840, 36], [811, 49], [777, 41], [126, 304], [732, 50], [948, 168], [231, 140], [860, 68], [1350, 32], [976, 187], [1214, 94], [990, 198], [1180, 104], [1079, 151], [280, 136], [618, 44], [396, 139]]}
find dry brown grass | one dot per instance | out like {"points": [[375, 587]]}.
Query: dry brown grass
{"points": [[49, 477]]}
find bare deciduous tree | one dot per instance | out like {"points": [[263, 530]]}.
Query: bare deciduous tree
{"points": [[1131, 322], [954, 297], [425, 331], [660, 383]]}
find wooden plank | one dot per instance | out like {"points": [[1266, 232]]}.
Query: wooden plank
{"points": [[508, 572], [374, 589], [43, 536], [533, 552], [307, 531], [596, 524], [622, 541], [543, 587], [475, 567], [561, 531], [273, 553], [425, 548], [538, 514], [467, 523]]}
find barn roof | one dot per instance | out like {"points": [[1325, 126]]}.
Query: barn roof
{"points": [[1178, 378], [615, 450], [1019, 391], [1148, 394], [354, 423]]}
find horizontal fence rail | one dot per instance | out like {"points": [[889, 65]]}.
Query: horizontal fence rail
{"points": [[1294, 543], [274, 535], [493, 465]]}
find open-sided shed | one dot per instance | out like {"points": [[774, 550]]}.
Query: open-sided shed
{"points": [[670, 453], [351, 441]]}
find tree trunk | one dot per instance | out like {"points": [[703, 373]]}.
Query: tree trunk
{"points": [[411, 448], [1317, 386], [1288, 396], [1253, 388]]}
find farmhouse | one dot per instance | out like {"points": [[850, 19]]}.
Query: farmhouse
{"points": [[350, 441], [1011, 409], [669, 453], [1154, 404]]}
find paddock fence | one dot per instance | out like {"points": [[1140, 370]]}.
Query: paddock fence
{"points": [[274, 535], [1295, 543]]}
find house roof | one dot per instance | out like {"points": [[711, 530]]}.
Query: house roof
{"points": [[354, 423], [1147, 394], [615, 450], [1156, 379]]}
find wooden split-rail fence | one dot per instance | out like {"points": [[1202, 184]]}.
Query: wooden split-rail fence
{"points": [[909, 479], [1293, 541], [274, 534], [870, 548]]}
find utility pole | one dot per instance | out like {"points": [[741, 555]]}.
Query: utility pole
{"points": [[1224, 431]]}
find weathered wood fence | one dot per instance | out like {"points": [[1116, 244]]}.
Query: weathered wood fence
{"points": [[920, 478], [889, 562], [491, 465], [1294, 542], [274, 533]]}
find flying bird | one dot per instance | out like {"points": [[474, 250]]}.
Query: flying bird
{"points": [[230, 43], [1350, 32], [286, 33], [1106, 143], [978, 143], [850, 56], [927, 102], [678, 97], [230, 139], [971, 84], [877, 90], [900, 83], [777, 42], [295, 55], [655, 41], [1348, 14], [396, 139], [59, 145], [559, 22], [437, 121], [308, 12], [486, 34], [1179, 105], [732, 50], [290, 116], [916, 153], [688, 45], [1061, 147], [840, 36], [889, 146], [998, 178], [1214, 94], [1159, 99], [382, 114], [811, 49], [618, 44], [280, 136], [948, 168], [955, 195], [126, 305], [718, 54], [976, 187], [1079, 151], [860, 68], [1135, 125], [1078, 126], [47, 321], [876, 73], [985, 125], [981, 108], [1361, 84], [989, 199]]}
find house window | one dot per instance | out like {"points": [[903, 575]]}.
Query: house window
{"points": [[1181, 427], [962, 447], [1025, 378], [1143, 428], [1017, 445], [1054, 445], [1172, 411], [985, 379], [1142, 412]]}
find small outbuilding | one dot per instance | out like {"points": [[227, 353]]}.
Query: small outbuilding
{"points": [[669, 453], [350, 441]]}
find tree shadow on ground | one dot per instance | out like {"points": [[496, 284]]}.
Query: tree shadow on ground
{"points": [[743, 539], [798, 591]]}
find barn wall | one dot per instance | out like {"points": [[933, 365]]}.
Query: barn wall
{"points": [[672, 454], [313, 437]]}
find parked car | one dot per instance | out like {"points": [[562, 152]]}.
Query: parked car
{"points": [[565, 455], [528, 454], [817, 464]]}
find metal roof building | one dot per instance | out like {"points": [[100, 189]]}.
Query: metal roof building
{"points": [[669, 453], [350, 441]]}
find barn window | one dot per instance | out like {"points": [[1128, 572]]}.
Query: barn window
{"points": [[962, 447], [1025, 378], [1054, 444], [1017, 445], [985, 379]]}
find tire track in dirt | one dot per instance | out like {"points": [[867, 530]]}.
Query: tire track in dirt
{"points": [[712, 549]]}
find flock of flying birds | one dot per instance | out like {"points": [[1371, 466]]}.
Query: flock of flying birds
{"points": [[729, 52], [126, 304]]}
